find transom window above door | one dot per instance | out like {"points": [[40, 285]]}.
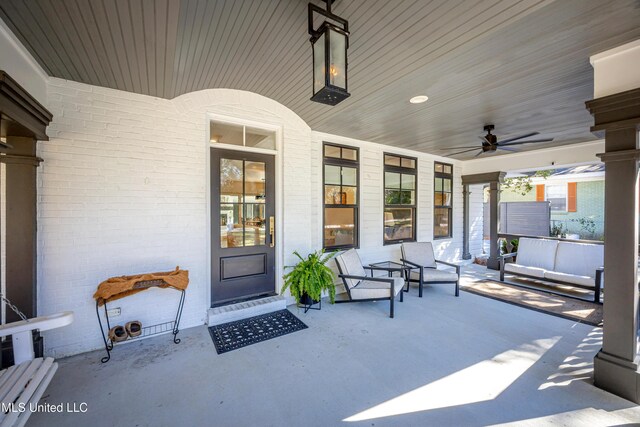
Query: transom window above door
{"points": [[240, 135]]}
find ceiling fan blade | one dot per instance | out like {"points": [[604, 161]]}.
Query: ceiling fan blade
{"points": [[460, 152], [455, 148], [479, 152], [518, 137], [506, 149], [484, 139], [526, 142], [5, 145]]}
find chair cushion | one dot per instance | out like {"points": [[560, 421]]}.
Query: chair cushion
{"points": [[435, 275], [571, 278], [523, 269], [350, 264], [420, 253], [538, 253], [580, 259], [368, 289]]}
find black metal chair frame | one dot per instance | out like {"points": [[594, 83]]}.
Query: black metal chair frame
{"points": [[597, 288], [421, 281], [390, 280]]}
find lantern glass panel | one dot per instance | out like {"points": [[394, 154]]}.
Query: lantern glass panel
{"points": [[337, 59], [318, 64]]}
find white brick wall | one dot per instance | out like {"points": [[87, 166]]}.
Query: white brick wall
{"points": [[123, 190]]}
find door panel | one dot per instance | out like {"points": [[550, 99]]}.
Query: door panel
{"points": [[243, 204]]}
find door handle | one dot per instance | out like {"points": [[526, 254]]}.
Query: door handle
{"points": [[272, 237]]}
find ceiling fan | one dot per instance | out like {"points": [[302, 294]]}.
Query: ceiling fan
{"points": [[490, 143]]}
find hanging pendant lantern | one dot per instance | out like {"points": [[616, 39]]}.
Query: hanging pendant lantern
{"points": [[329, 44]]}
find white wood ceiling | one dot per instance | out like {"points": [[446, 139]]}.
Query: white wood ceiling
{"points": [[522, 65]]}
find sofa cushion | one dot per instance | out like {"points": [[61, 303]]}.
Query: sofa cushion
{"points": [[350, 264], [368, 289], [538, 253], [571, 278], [420, 253], [580, 259], [435, 275], [523, 269]]}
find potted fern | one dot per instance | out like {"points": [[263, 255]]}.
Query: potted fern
{"points": [[310, 277]]}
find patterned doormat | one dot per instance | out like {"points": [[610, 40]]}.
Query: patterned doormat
{"points": [[545, 302], [241, 333]]}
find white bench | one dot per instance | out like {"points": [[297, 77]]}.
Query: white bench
{"points": [[25, 382], [568, 263]]}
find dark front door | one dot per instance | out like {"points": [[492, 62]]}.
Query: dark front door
{"points": [[242, 225]]}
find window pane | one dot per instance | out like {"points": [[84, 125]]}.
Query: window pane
{"points": [[332, 174], [350, 195], [349, 154], [231, 177], [222, 133], [442, 199], [254, 232], [407, 197], [439, 167], [398, 224], [408, 182], [331, 151], [448, 169], [231, 235], [392, 197], [349, 176], [339, 227], [408, 163], [391, 180], [254, 182], [332, 195], [446, 184], [391, 160], [439, 184], [558, 204], [260, 138], [441, 218]]}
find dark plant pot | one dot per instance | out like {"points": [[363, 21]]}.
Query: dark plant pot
{"points": [[305, 299]]}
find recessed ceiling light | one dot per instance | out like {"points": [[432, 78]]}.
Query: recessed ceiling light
{"points": [[419, 99]]}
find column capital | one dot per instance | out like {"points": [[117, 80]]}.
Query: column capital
{"points": [[619, 156], [615, 112]]}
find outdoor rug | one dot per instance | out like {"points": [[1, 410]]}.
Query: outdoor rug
{"points": [[545, 302], [241, 333]]}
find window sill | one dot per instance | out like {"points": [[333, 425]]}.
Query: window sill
{"points": [[443, 238], [397, 242]]}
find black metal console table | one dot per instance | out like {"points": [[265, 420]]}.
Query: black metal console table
{"points": [[390, 267], [147, 331]]}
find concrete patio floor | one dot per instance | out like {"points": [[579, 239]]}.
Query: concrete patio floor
{"points": [[442, 361]]}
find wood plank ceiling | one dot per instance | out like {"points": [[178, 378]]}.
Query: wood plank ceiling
{"points": [[522, 65]]}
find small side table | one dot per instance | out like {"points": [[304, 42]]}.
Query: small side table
{"points": [[392, 267]]}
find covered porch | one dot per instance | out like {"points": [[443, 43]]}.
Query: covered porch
{"points": [[442, 360]]}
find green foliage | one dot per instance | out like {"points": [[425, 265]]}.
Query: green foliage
{"points": [[311, 276], [397, 197], [522, 184], [586, 224], [557, 230]]}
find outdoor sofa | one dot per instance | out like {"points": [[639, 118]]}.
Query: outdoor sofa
{"points": [[579, 265]]}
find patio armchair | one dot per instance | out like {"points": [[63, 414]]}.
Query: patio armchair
{"points": [[420, 255], [361, 287]]}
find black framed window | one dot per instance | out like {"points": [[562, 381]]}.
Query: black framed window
{"points": [[340, 195], [443, 200], [400, 193]]}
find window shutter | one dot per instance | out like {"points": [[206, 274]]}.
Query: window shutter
{"points": [[572, 197], [540, 193]]}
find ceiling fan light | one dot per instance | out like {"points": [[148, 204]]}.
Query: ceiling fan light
{"points": [[419, 99]]}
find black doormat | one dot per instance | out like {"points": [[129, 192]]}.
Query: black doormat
{"points": [[241, 333]]}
